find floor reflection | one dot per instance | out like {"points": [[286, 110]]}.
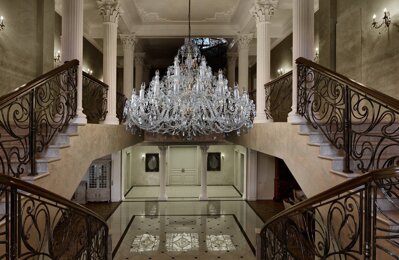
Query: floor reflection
{"points": [[184, 237]]}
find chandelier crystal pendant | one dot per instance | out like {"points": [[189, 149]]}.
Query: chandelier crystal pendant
{"points": [[189, 101]]}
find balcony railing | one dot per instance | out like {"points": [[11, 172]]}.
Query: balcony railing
{"points": [[279, 98], [362, 122], [354, 220], [38, 224], [94, 98], [120, 105], [32, 115]]}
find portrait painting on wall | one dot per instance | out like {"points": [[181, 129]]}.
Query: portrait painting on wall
{"points": [[152, 162], [213, 162]]}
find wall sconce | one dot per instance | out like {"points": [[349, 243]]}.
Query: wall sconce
{"points": [[57, 56], [222, 155], [142, 157], [316, 55], [2, 25], [386, 20], [280, 72]]}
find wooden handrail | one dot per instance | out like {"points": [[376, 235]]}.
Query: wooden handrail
{"points": [[289, 73], [36, 82], [9, 181], [337, 190], [95, 79], [388, 100]]}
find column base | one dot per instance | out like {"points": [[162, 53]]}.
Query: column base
{"points": [[163, 197], [203, 197], [79, 119], [262, 119], [295, 118], [110, 120]]}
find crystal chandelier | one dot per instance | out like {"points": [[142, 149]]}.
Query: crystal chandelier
{"points": [[189, 101]]}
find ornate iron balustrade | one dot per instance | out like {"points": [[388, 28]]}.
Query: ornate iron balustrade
{"points": [[32, 115], [279, 98], [364, 123], [353, 220], [38, 224], [120, 105], [94, 98]]}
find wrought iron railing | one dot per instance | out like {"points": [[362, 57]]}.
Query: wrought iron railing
{"points": [[364, 123], [38, 224], [354, 220], [32, 115], [120, 105], [279, 98], [94, 98]]}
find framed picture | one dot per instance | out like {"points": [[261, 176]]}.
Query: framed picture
{"points": [[213, 162], [152, 162]]}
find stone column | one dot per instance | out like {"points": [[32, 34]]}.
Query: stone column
{"points": [[139, 64], [72, 46], [204, 173], [243, 52], [262, 10], [252, 175], [162, 173], [231, 68], [303, 46], [129, 42], [109, 9]]}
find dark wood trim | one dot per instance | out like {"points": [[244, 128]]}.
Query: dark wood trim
{"points": [[87, 75], [9, 181], [337, 190], [36, 82], [371, 93], [288, 74]]}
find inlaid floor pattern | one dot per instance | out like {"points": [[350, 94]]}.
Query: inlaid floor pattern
{"points": [[184, 237]]}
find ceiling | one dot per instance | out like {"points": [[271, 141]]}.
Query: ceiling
{"points": [[161, 25]]}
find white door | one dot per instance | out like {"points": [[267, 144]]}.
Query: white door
{"points": [[98, 187], [183, 168]]}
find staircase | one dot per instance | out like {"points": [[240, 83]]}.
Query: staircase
{"points": [[40, 144], [347, 131]]}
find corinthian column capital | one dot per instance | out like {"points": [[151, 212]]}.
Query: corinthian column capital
{"points": [[129, 41], [263, 10], [243, 40], [110, 10]]}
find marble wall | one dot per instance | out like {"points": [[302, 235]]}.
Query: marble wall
{"points": [[26, 43], [363, 53]]}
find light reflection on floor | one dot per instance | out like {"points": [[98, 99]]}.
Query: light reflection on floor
{"points": [[191, 216], [184, 237]]}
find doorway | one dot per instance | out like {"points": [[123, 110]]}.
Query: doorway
{"points": [[183, 167]]}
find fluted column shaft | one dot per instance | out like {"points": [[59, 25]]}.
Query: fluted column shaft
{"points": [[109, 9], [139, 64], [204, 173], [243, 53], [72, 46], [231, 68], [303, 45], [129, 42], [262, 10], [162, 173]]}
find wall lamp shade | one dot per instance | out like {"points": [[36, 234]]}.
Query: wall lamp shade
{"points": [[2, 25], [386, 20]]}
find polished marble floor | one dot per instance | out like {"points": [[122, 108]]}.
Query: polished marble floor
{"points": [[183, 192], [211, 229], [184, 237]]}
